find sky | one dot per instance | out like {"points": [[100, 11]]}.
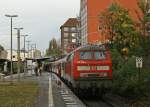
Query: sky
{"points": [[41, 20]]}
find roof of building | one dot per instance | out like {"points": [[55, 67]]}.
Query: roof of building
{"points": [[71, 22]]}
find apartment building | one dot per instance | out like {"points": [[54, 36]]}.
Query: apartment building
{"points": [[70, 34], [90, 11]]}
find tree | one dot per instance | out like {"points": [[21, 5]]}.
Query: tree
{"points": [[53, 49], [144, 27], [1, 49], [53, 44], [59, 43], [125, 35], [117, 24]]}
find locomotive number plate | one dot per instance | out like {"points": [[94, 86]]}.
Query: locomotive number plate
{"points": [[93, 75]]}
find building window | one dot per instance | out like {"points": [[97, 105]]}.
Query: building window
{"points": [[65, 35], [65, 45], [73, 29], [73, 40], [65, 40], [73, 34], [66, 29]]}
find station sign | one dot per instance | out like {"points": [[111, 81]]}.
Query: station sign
{"points": [[139, 62]]}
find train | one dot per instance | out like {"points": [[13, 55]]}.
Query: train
{"points": [[86, 68]]}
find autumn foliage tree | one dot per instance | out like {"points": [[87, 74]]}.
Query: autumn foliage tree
{"points": [[143, 27], [53, 44], [1, 49], [119, 27], [127, 35], [53, 49]]}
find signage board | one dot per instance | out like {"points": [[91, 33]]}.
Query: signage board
{"points": [[139, 62]]}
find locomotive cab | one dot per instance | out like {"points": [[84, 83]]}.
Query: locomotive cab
{"points": [[89, 66]]}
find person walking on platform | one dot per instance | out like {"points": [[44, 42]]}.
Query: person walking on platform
{"points": [[35, 64], [40, 68], [50, 68]]}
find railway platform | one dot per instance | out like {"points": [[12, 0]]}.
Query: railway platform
{"points": [[52, 91]]}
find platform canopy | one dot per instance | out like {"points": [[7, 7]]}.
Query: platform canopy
{"points": [[4, 60]]}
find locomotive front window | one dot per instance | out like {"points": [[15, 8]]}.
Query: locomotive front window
{"points": [[100, 55], [86, 55]]}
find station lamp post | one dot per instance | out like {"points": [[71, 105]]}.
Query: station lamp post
{"points": [[24, 44], [28, 43], [24, 54], [18, 50], [33, 49], [11, 66]]}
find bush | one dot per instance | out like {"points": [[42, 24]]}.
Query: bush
{"points": [[126, 80]]}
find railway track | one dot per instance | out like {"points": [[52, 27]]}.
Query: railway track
{"points": [[91, 101], [96, 103]]}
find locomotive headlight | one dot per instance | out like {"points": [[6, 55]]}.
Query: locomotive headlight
{"points": [[82, 68], [105, 74], [103, 68]]}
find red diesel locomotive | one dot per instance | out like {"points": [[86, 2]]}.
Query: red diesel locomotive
{"points": [[86, 67]]}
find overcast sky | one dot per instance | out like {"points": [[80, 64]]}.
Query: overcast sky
{"points": [[41, 19]]}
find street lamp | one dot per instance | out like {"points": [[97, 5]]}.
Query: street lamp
{"points": [[33, 48], [24, 44], [28, 43], [18, 50], [24, 54], [11, 67]]}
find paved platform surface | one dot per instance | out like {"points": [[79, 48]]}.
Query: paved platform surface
{"points": [[65, 95], [53, 92]]}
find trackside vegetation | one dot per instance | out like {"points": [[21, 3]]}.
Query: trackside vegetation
{"points": [[128, 40], [128, 83], [18, 94]]}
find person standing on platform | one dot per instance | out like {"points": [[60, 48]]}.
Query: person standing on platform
{"points": [[40, 68], [50, 68], [35, 64]]}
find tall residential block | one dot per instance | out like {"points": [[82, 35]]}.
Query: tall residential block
{"points": [[70, 34], [90, 11]]}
